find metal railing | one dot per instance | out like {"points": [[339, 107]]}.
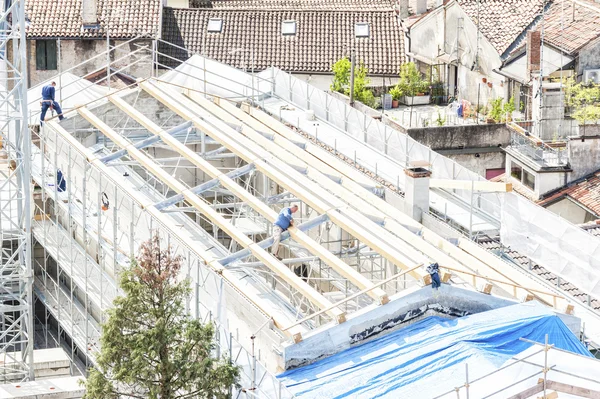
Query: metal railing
{"points": [[538, 151]]}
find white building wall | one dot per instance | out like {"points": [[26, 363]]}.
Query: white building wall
{"points": [[567, 209]]}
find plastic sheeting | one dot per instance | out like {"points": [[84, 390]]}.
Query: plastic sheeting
{"points": [[209, 76], [548, 239], [428, 358]]}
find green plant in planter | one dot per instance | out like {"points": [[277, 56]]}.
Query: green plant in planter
{"points": [[396, 93], [411, 82], [590, 113], [496, 110], [508, 109]]}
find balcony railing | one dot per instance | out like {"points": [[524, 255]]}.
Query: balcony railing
{"points": [[536, 149]]}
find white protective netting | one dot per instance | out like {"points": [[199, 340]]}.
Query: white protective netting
{"points": [[548, 239]]}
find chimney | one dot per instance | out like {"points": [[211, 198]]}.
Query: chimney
{"points": [[403, 5], [534, 44], [416, 190], [421, 7], [89, 12]]}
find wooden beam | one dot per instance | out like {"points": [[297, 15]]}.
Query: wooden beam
{"points": [[477, 185], [258, 302], [362, 228], [235, 233], [433, 244], [315, 248], [573, 390], [529, 392]]}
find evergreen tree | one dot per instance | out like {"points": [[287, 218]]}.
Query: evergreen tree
{"points": [[150, 347]]}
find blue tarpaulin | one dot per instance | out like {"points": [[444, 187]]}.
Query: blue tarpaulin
{"points": [[428, 358]]}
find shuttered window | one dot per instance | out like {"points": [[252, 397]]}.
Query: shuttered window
{"points": [[45, 55]]}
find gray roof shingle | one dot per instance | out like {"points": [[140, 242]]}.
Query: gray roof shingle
{"points": [[62, 18], [322, 37]]}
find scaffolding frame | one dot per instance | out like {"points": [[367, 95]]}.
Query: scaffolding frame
{"points": [[16, 311]]}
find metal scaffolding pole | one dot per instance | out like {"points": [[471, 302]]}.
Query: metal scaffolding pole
{"points": [[16, 277]]}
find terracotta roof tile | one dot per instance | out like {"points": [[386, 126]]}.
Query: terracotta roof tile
{"points": [[502, 22], [569, 25], [306, 5], [586, 192], [62, 18], [322, 38]]}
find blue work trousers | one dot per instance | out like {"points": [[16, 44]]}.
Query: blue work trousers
{"points": [[46, 105]]}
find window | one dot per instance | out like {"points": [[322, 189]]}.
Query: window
{"points": [[215, 25], [516, 172], [528, 179], [45, 55], [288, 27], [361, 29]]}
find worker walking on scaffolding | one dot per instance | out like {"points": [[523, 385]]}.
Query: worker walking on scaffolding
{"points": [[48, 101], [283, 222]]}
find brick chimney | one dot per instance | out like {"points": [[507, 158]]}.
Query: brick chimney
{"points": [[89, 12], [534, 44]]}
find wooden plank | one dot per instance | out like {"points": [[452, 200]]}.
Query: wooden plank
{"points": [[288, 178], [529, 392], [433, 244], [573, 390], [477, 185], [316, 249], [235, 233], [259, 303]]}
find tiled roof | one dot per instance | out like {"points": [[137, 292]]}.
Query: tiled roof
{"points": [[571, 29], [322, 38], [502, 22], [62, 18], [526, 263], [586, 192], [307, 5]]}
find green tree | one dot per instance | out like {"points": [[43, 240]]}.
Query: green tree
{"points": [[150, 347], [341, 75], [341, 81]]}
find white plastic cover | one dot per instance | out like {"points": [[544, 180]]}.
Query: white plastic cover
{"points": [[561, 247]]}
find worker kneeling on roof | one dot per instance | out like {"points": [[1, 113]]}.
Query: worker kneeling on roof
{"points": [[283, 222]]}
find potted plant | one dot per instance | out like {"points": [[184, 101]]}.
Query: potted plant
{"points": [[413, 86], [496, 111], [396, 94]]}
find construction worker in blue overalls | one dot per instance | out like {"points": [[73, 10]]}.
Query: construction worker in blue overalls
{"points": [[48, 93]]}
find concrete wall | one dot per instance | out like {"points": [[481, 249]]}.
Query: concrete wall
{"points": [[584, 156], [74, 52], [475, 147], [589, 58], [479, 162], [465, 136]]}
